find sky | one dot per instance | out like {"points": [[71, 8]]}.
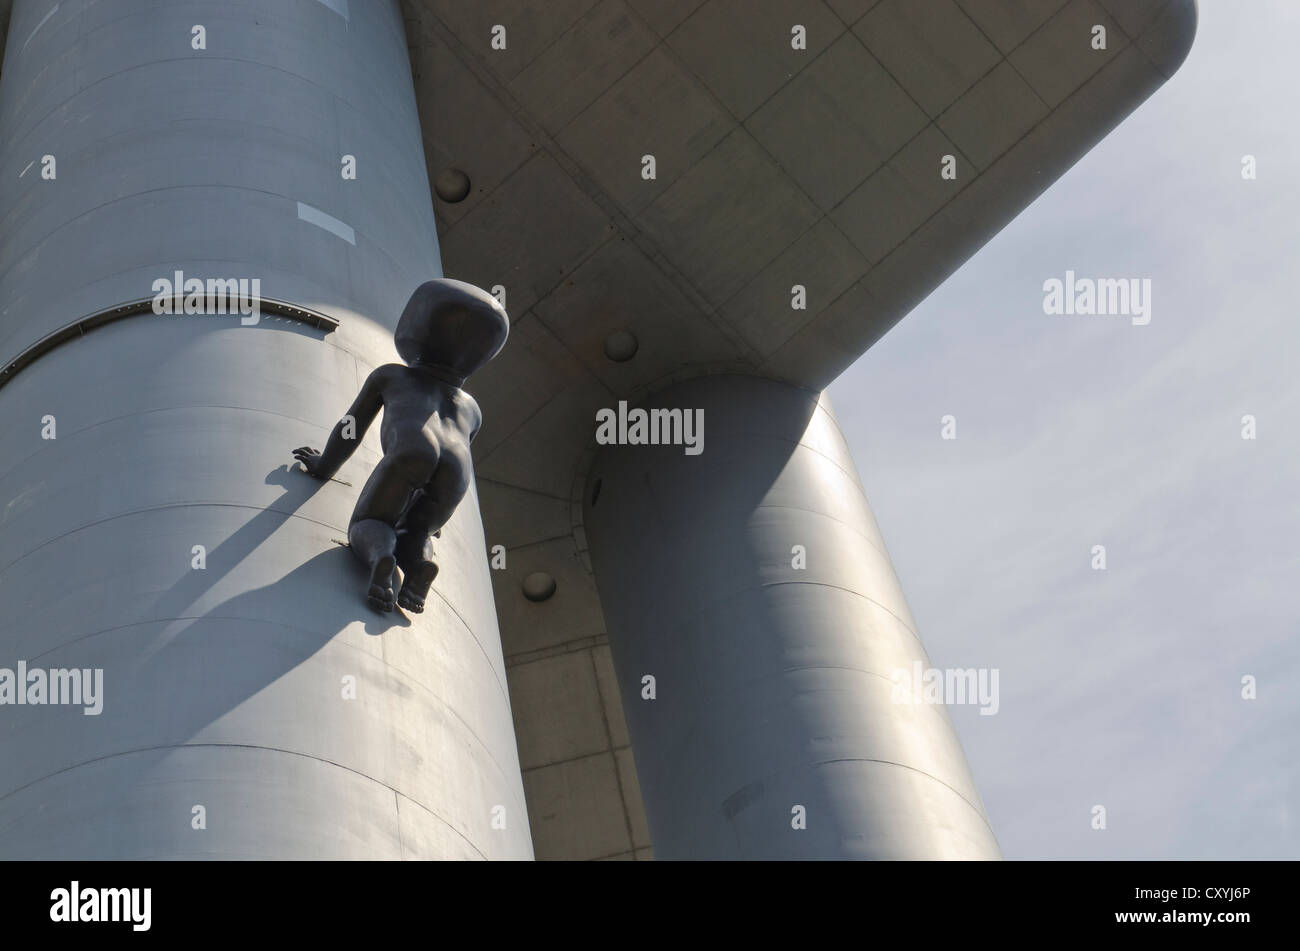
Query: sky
{"points": [[1120, 687]]}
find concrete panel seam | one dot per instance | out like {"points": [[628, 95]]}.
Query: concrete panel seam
{"points": [[158, 508], [18, 137], [187, 406], [485, 480], [609, 738], [863, 759], [555, 650], [719, 604], [78, 329], [758, 435], [542, 52], [826, 515], [37, 243], [399, 672], [576, 759], [397, 808], [540, 541], [172, 505], [622, 223], [242, 746], [859, 594]]}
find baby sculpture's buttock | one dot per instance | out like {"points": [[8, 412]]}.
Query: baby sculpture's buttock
{"points": [[447, 331]]}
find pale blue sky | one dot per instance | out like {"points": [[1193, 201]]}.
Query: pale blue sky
{"points": [[1121, 687]]}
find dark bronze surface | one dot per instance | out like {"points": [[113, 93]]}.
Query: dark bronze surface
{"points": [[447, 331]]}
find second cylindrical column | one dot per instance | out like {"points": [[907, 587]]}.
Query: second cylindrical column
{"points": [[757, 629]]}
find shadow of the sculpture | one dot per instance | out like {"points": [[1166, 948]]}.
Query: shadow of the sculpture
{"points": [[273, 629], [299, 487], [204, 675]]}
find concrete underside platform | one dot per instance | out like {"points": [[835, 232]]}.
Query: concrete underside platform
{"points": [[775, 167]]}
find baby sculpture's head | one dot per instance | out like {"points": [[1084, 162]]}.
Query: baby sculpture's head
{"points": [[451, 326]]}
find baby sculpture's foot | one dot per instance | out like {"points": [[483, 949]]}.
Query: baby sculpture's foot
{"points": [[380, 594], [415, 586]]}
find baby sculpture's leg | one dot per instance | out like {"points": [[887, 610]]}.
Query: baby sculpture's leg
{"points": [[430, 512], [373, 532], [415, 556], [374, 543]]}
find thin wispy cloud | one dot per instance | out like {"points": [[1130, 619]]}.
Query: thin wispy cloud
{"points": [[1120, 687]]}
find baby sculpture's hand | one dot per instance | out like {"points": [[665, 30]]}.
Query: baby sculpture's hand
{"points": [[310, 460]]}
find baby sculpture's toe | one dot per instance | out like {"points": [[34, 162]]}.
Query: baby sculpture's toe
{"points": [[407, 600], [381, 599], [415, 586], [380, 594]]}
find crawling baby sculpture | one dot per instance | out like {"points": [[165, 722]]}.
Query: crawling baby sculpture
{"points": [[447, 331]]}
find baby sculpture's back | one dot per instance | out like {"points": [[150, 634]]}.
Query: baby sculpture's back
{"points": [[423, 409]]}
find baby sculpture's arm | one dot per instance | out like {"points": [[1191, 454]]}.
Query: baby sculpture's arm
{"points": [[475, 414], [347, 432]]}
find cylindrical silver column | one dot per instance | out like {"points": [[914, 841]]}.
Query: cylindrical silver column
{"points": [[252, 705], [750, 582]]}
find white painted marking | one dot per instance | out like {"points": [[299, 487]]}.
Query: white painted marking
{"points": [[338, 6], [331, 224], [26, 170], [46, 19]]}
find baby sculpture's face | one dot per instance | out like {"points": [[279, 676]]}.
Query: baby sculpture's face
{"points": [[452, 326]]}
